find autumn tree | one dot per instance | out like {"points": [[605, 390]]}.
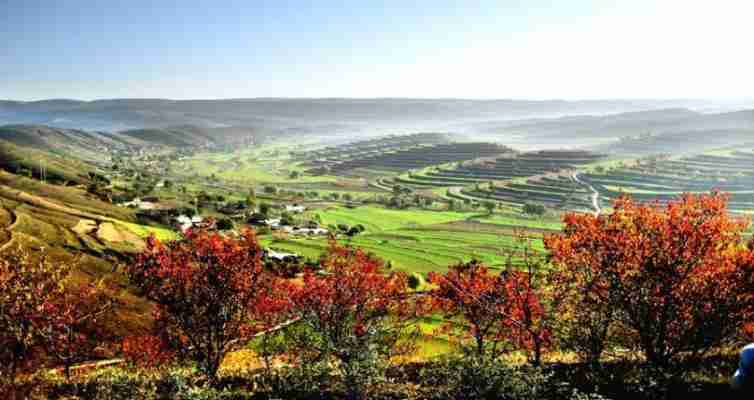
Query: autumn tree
{"points": [[675, 280], [470, 293], [527, 290], [498, 312], [73, 328], [26, 286], [353, 314], [207, 288]]}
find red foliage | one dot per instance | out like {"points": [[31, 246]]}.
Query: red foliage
{"points": [[26, 286], [529, 318], [495, 310], [675, 279], [210, 292], [146, 351], [354, 310], [73, 330]]}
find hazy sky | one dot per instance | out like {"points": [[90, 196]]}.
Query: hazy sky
{"points": [[531, 49]]}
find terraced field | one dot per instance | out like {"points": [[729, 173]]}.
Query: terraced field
{"points": [[543, 177], [404, 158], [561, 191], [730, 171], [370, 147]]}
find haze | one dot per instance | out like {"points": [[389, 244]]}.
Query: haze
{"points": [[428, 49]]}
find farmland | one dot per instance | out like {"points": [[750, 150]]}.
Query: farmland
{"points": [[396, 154], [423, 241], [543, 177], [661, 179]]}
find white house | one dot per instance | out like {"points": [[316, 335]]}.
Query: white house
{"points": [[185, 222], [295, 209]]}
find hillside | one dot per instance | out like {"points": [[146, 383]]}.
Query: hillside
{"points": [[72, 227], [84, 145], [187, 135], [30, 162]]}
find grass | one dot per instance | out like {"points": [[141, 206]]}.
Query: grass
{"points": [[163, 234], [268, 163], [524, 222], [377, 219]]}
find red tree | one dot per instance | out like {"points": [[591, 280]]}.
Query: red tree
{"points": [[206, 288], [526, 289], [676, 280], [73, 329], [527, 314], [354, 313], [26, 286], [498, 311]]}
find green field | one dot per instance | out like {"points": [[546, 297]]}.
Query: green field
{"points": [[270, 163], [421, 241], [377, 219]]}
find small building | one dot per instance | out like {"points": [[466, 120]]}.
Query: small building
{"points": [[141, 204], [295, 209], [283, 257], [184, 222]]}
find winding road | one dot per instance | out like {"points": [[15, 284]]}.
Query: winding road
{"points": [[595, 193]]}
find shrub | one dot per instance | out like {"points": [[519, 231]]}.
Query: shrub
{"points": [[224, 224], [534, 209], [484, 378], [414, 281]]}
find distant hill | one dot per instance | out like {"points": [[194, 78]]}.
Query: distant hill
{"points": [[681, 128], [317, 116], [187, 135]]}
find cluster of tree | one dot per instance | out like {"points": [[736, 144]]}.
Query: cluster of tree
{"points": [[534, 209], [670, 283], [345, 229], [404, 197]]}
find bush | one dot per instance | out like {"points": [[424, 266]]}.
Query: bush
{"points": [[414, 281], [534, 209], [483, 378], [224, 224]]}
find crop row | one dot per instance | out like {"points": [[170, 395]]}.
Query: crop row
{"points": [[420, 157], [665, 180]]}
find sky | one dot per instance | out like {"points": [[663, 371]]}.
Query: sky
{"points": [[533, 49]]}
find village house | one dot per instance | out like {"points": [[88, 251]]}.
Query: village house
{"points": [[295, 209]]}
